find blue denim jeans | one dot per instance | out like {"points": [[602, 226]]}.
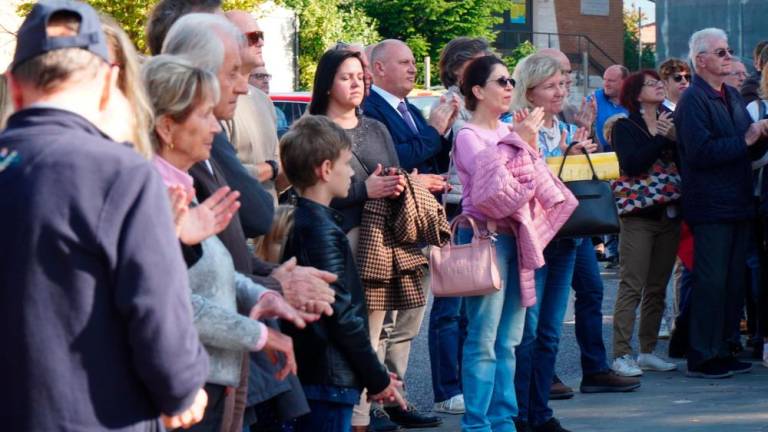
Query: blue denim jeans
{"points": [[330, 409], [588, 287], [495, 328], [447, 329], [541, 336]]}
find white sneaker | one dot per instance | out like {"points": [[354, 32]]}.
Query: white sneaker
{"points": [[454, 405], [626, 366], [664, 331], [653, 363]]}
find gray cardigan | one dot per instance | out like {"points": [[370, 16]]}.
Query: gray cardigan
{"points": [[218, 292]]}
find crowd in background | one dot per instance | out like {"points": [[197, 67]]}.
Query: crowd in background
{"points": [[149, 278]]}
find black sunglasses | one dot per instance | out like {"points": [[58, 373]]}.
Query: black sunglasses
{"points": [[504, 81], [254, 37], [679, 77], [720, 52]]}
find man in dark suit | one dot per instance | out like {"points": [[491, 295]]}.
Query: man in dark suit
{"points": [[422, 147]]}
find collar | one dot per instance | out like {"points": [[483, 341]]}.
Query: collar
{"points": [[50, 114], [171, 175], [669, 104], [712, 93], [601, 95], [319, 209], [391, 99]]}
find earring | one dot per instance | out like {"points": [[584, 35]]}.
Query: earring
{"points": [[170, 146]]}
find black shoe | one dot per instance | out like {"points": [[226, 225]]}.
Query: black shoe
{"points": [[559, 391], [608, 382], [521, 426], [552, 425], [380, 422], [712, 369], [737, 367], [412, 418]]}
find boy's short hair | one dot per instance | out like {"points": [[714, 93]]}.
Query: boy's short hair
{"points": [[312, 140]]}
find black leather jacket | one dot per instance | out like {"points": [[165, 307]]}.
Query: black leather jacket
{"points": [[336, 350]]}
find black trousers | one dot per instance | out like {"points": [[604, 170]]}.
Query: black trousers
{"points": [[214, 411], [720, 253]]}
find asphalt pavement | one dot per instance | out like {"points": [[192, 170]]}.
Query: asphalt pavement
{"points": [[667, 401]]}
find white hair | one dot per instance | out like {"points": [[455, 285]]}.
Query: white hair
{"points": [[199, 38], [530, 72], [701, 41]]}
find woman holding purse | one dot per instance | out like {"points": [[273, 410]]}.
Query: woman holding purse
{"points": [[649, 236], [506, 183]]}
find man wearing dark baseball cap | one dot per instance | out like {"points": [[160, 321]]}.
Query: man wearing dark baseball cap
{"points": [[95, 313]]}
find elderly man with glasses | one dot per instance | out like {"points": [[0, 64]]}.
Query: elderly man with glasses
{"points": [[717, 139]]}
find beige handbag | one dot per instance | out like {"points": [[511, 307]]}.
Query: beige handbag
{"points": [[465, 270]]}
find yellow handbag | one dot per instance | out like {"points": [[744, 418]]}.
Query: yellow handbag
{"points": [[577, 167]]}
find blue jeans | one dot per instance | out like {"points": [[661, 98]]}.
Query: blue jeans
{"points": [[611, 245], [543, 324], [588, 287], [495, 329], [447, 329], [330, 409]]}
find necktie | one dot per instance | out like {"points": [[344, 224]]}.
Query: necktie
{"points": [[407, 116]]}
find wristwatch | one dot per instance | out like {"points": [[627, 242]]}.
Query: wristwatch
{"points": [[275, 169]]}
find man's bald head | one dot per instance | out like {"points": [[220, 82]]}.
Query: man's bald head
{"points": [[252, 53], [393, 67]]}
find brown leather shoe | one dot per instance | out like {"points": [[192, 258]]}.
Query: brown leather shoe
{"points": [[559, 391], [608, 382], [360, 429]]}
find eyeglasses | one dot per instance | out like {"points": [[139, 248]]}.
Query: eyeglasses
{"points": [[679, 77], [254, 37], [720, 52], [739, 73], [503, 81], [653, 83], [261, 77]]}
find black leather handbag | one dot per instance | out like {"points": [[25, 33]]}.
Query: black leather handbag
{"points": [[596, 214]]}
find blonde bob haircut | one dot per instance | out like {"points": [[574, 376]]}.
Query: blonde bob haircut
{"points": [[175, 88], [530, 72]]}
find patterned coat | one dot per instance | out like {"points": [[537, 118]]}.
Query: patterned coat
{"points": [[392, 235]]}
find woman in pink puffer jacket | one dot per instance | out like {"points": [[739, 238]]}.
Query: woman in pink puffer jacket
{"points": [[505, 181]]}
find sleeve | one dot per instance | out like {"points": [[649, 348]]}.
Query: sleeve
{"points": [[151, 288], [224, 329], [753, 110], [257, 205], [349, 332], [635, 151], [358, 194], [248, 293]]}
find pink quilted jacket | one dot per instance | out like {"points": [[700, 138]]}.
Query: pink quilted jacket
{"points": [[513, 182]]}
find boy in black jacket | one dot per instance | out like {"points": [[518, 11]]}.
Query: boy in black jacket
{"points": [[334, 355]]}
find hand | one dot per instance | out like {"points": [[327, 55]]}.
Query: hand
{"points": [[179, 206], [191, 416], [210, 217], [527, 125], [433, 182], [279, 345], [306, 288], [585, 117], [383, 186], [391, 393], [580, 146], [443, 115], [756, 131], [272, 305]]}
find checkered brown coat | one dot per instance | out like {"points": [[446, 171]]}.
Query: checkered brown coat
{"points": [[392, 234]]}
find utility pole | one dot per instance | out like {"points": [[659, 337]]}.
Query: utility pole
{"points": [[639, 38]]}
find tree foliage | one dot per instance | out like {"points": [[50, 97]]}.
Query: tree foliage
{"points": [[427, 25], [132, 14], [322, 23], [523, 50], [631, 40]]}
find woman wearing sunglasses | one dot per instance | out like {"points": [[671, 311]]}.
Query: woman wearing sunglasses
{"points": [[676, 76]]}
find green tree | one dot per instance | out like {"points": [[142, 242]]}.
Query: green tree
{"points": [[631, 39], [427, 25], [523, 50], [132, 14], [322, 23]]}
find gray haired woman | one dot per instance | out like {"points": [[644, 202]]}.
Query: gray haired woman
{"points": [[183, 98]]}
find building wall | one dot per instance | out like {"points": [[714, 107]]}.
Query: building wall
{"points": [[606, 31], [9, 24], [743, 21]]}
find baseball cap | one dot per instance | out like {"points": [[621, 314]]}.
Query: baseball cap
{"points": [[33, 40]]}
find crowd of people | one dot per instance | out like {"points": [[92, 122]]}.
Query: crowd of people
{"points": [[149, 279]]}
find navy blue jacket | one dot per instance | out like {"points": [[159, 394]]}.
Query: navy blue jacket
{"points": [[257, 207], [95, 313], [714, 158], [427, 151]]}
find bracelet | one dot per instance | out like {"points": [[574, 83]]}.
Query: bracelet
{"points": [[275, 169]]}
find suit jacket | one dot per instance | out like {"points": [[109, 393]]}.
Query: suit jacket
{"points": [[257, 205], [427, 151]]}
